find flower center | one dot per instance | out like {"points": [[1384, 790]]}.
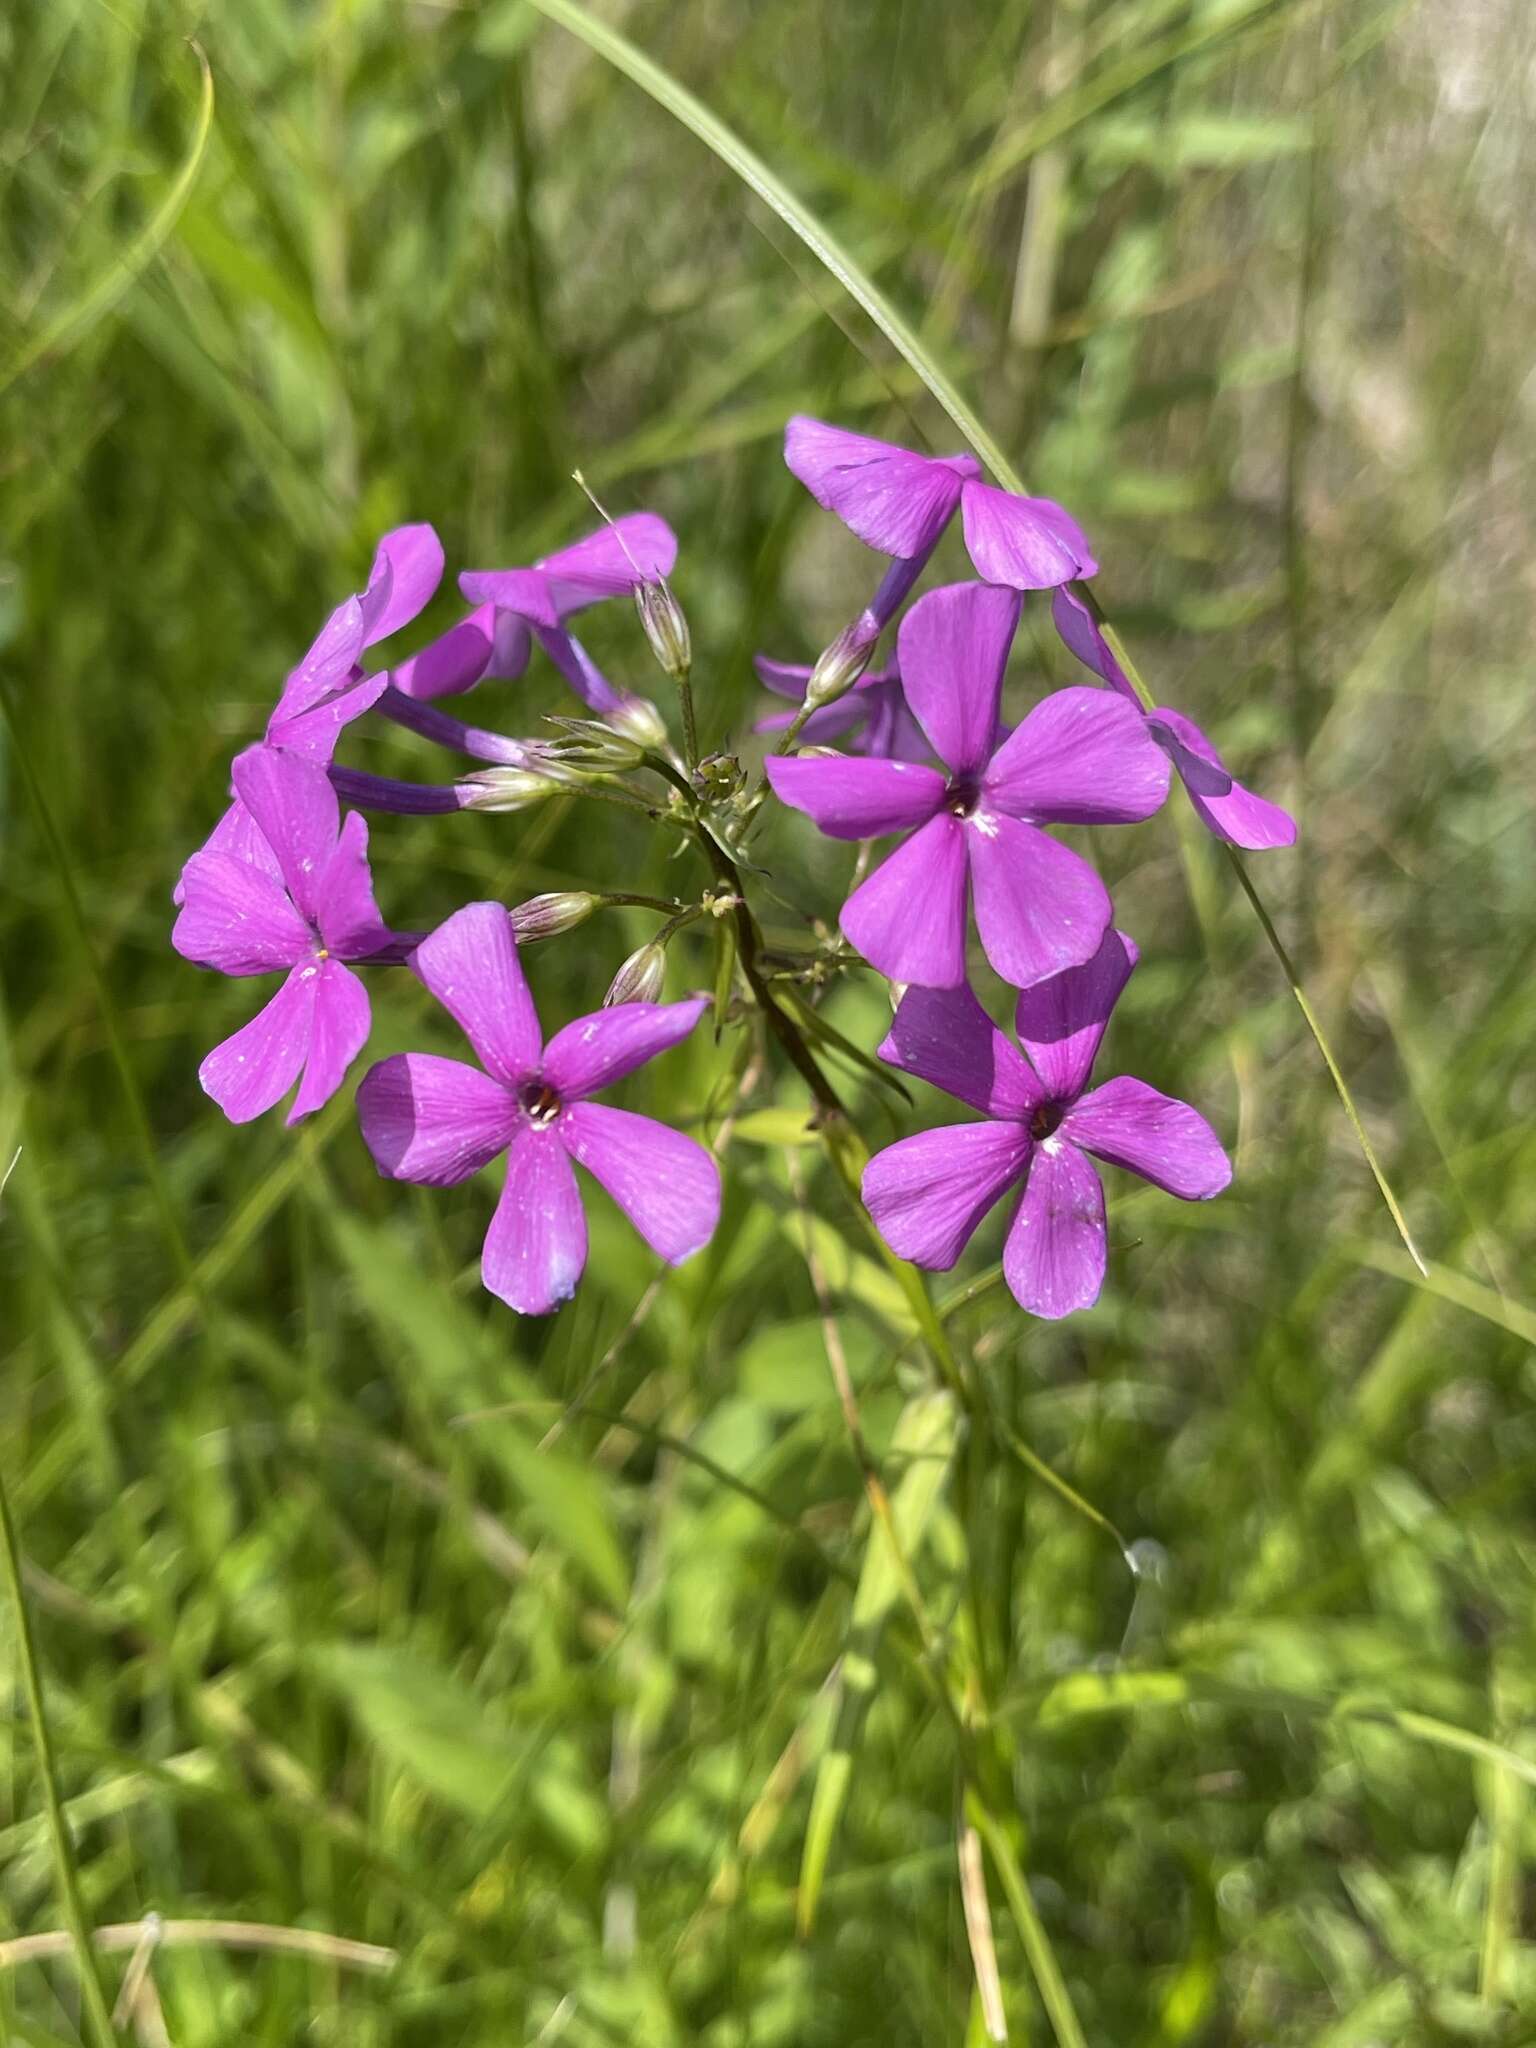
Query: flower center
{"points": [[1046, 1117], [540, 1102], [963, 795]]}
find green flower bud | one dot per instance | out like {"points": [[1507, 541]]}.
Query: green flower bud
{"points": [[510, 789], [592, 745], [641, 977], [641, 721], [546, 917], [839, 667], [665, 628]]}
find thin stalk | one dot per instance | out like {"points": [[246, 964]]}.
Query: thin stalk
{"points": [[92, 1990], [1049, 1981], [690, 725]]}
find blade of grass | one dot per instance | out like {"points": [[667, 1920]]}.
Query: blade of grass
{"points": [[98, 300]]}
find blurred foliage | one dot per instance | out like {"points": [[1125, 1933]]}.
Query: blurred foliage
{"points": [[538, 1700]]}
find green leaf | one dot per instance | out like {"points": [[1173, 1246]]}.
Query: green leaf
{"points": [[423, 1719], [572, 1504]]}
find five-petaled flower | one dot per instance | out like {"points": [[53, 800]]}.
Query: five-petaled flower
{"points": [[436, 1120], [874, 716], [297, 898], [1221, 803], [928, 1193], [1079, 757]]}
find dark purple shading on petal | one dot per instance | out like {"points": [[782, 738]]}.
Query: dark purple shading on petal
{"points": [[896, 502], [953, 648], [470, 964], [454, 661], [1061, 1020], [1128, 1124], [665, 1182], [434, 1121], [593, 1052], [1055, 1253], [927, 1193], [1039, 906], [1079, 758], [1080, 632], [1026, 543], [536, 1246], [946, 1037], [857, 798], [1221, 803], [908, 917]]}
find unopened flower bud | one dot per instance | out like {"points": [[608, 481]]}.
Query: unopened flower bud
{"points": [[546, 917], [509, 789], [640, 720], [588, 743], [640, 979], [839, 666], [661, 617]]}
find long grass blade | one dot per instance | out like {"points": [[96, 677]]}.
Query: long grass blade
{"points": [[99, 298]]}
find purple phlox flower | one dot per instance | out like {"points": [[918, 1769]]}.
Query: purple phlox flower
{"points": [[638, 548], [1078, 758], [1221, 802], [928, 1193], [301, 909], [873, 715], [899, 503], [436, 1121]]}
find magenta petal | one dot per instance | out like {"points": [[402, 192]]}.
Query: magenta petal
{"points": [[523, 593], [338, 1031], [1079, 630], [1222, 805], [236, 833], [638, 548], [928, 1193], [895, 501], [470, 964], [511, 645], [946, 1037], [1060, 1021], [952, 648], [666, 1183], [594, 1052], [407, 568], [237, 918], [1026, 543], [1054, 1256], [908, 917], [1039, 907], [1167, 1142], [256, 1068], [784, 678], [432, 1120], [856, 798], [1079, 758], [293, 803], [536, 1246], [350, 923], [451, 663], [328, 664], [314, 733]]}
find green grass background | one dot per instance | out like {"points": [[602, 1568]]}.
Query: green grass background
{"points": [[1248, 285]]}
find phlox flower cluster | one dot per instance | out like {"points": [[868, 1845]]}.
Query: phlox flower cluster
{"points": [[282, 886]]}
